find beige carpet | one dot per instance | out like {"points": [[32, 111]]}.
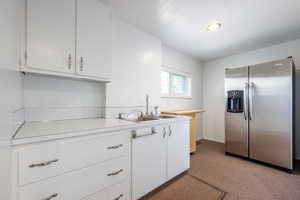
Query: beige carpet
{"points": [[215, 176]]}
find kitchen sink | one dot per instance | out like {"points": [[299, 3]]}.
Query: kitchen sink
{"points": [[140, 120], [166, 116], [150, 118]]}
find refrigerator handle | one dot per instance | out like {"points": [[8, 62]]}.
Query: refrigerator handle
{"points": [[246, 88], [251, 94]]}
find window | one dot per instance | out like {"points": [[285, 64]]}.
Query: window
{"points": [[175, 84]]}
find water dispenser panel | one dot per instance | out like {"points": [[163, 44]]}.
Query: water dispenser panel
{"points": [[235, 101]]}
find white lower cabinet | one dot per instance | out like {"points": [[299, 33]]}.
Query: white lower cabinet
{"points": [[119, 191], [148, 160], [97, 196], [158, 155], [64, 156], [74, 169], [78, 184], [178, 149], [101, 167]]}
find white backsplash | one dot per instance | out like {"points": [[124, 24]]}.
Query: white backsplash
{"points": [[63, 113], [50, 98]]}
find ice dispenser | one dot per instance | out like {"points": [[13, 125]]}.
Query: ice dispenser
{"points": [[235, 101]]}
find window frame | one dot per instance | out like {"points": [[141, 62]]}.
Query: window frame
{"points": [[173, 72]]}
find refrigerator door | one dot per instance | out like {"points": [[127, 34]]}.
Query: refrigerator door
{"points": [[236, 120], [271, 112]]}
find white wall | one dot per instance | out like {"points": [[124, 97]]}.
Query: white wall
{"points": [[213, 91], [179, 61], [10, 78], [136, 62], [50, 98], [10, 87], [137, 59]]}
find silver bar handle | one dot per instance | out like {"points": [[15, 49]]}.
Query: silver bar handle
{"points": [[81, 63], [251, 100], [115, 146], [170, 130], [246, 89], [164, 132], [119, 197], [135, 135], [69, 61], [115, 173], [51, 197], [43, 163]]}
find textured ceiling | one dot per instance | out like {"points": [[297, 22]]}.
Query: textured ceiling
{"points": [[247, 24]]}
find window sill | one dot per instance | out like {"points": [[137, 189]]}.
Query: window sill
{"points": [[176, 97]]}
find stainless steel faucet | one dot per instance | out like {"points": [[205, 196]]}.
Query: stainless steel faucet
{"points": [[156, 110], [147, 104]]}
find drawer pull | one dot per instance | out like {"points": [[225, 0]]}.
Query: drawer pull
{"points": [[165, 132], [115, 173], [43, 163], [81, 63], [115, 147], [170, 131], [119, 197], [51, 197]]}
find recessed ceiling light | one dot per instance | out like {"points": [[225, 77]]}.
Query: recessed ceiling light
{"points": [[214, 27]]}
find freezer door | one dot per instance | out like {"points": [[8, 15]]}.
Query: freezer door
{"points": [[236, 123], [270, 114]]}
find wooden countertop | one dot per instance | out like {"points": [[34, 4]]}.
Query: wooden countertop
{"points": [[191, 113], [183, 112]]}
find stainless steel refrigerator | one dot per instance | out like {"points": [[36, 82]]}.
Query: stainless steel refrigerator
{"points": [[259, 112]]}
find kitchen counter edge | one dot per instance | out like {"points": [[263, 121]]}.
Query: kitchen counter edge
{"points": [[97, 131]]}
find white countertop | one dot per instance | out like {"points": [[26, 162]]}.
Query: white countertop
{"points": [[32, 132], [37, 129]]}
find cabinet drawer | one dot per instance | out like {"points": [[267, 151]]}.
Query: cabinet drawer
{"points": [[120, 191], [78, 184], [48, 160]]}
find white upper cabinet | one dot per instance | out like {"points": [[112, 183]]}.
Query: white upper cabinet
{"points": [[93, 39], [70, 38], [51, 35]]}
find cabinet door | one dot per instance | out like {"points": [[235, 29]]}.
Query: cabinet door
{"points": [[120, 191], [148, 161], [78, 184], [178, 149], [97, 196], [51, 35], [94, 39]]}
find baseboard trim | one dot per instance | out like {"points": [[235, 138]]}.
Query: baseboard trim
{"points": [[297, 158], [213, 140], [198, 141]]}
